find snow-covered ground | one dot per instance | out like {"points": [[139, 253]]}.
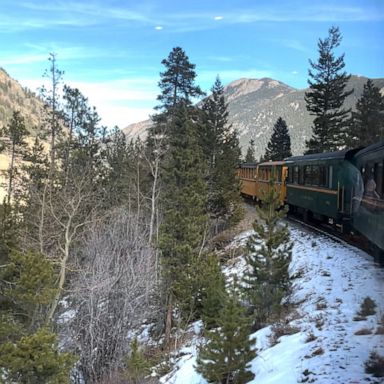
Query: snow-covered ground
{"points": [[331, 281]]}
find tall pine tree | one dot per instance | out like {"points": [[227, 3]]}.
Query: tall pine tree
{"points": [[184, 225], [326, 95], [177, 82], [368, 120], [279, 146], [266, 279], [220, 146]]}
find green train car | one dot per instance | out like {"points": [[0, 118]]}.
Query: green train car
{"points": [[321, 185], [345, 188], [368, 217]]}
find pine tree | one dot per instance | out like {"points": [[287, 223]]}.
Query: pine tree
{"points": [[52, 104], [212, 290], [15, 133], [183, 229], [177, 81], [29, 352], [266, 279], [137, 365], [177, 85], [27, 288], [35, 359], [226, 356], [221, 149], [368, 120], [279, 146], [250, 156], [326, 96]]}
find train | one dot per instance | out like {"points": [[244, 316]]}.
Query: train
{"points": [[342, 189]]}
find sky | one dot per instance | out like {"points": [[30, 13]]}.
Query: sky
{"points": [[112, 49]]}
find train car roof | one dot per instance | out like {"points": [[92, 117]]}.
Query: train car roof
{"points": [[272, 163], [371, 149], [248, 165], [344, 154]]}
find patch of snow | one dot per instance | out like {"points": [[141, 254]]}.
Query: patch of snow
{"points": [[330, 281]]}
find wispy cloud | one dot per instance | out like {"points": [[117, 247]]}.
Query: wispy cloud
{"points": [[93, 13]]}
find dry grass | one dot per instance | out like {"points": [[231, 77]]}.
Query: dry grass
{"points": [[363, 331], [281, 329]]}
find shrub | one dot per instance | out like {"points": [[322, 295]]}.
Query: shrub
{"points": [[367, 307], [281, 329], [375, 364], [310, 337]]}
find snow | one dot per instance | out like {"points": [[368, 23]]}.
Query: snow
{"points": [[330, 281]]}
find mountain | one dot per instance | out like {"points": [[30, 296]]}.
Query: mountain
{"points": [[13, 97], [255, 104]]}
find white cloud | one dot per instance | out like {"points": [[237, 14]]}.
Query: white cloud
{"points": [[218, 18], [158, 28]]}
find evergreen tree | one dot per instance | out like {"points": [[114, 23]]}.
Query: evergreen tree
{"points": [[137, 365], [226, 356], [35, 359], [177, 85], [28, 351], [15, 133], [279, 146], [368, 120], [250, 156], [52, 108], [266, 279], [222, 152], [183, 229], [326, 96], [212, 290], [177, 81], [27, 288]]}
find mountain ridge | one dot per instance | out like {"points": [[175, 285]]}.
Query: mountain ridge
{"points": [[254, 106]]}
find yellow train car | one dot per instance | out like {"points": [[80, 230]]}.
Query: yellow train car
{"points": [[247, 173], [256, 178], [275, 171]]}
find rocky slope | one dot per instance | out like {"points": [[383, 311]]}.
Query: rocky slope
{"points": [[13, 97], [256, 104]]}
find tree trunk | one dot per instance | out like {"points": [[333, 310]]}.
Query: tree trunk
{"points": [[168, 320]]}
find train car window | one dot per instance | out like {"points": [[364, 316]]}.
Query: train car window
{"points": [[307, 175], [278, 169], [315, 175], [330, 173], [296, 174], [323, 182], [301, 175], [291, 175]]}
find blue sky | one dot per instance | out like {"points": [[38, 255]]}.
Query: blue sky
{"points": [[112, 50]]}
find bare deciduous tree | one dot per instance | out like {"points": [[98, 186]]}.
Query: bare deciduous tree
{"points": [[112, 293]]}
